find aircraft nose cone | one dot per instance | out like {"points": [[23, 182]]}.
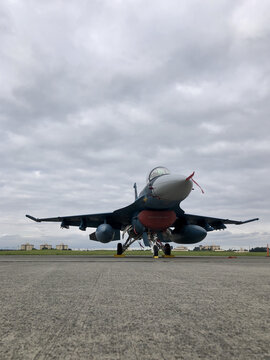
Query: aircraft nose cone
{"points": [[172, 188]]}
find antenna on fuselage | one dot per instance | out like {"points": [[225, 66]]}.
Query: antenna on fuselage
{"points": [[135, 190]]}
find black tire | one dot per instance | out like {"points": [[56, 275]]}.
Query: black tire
{"points": [[167, 249], [155, 250], [119, 249]]}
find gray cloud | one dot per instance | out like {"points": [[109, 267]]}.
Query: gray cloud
{"points": [[93, 95]]}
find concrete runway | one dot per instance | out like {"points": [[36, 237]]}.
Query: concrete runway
{"points": [[66, 307]]}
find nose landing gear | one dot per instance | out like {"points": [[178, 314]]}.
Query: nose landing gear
{"points": [[167, 250]]}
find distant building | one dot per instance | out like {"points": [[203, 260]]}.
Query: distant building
{"points": [[27, 247], [180, 248], [45, 247], [242, 250], [61, 247], [210, 247]]}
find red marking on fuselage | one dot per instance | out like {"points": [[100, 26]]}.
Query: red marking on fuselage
{"points": [[157, 220]]}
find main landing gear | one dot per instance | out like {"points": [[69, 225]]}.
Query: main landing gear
{"points": [[119, 249], [153, 240]]}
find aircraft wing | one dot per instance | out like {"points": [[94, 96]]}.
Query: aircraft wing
{"points": [[117, 219], [87, 220], [211, 223]]}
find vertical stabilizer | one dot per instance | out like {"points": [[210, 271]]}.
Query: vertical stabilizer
{"points": [[135, 190]]}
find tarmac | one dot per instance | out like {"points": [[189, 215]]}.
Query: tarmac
{"points": [[74, 307]]}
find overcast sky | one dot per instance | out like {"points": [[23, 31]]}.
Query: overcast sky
{"points": [[94, 94]]}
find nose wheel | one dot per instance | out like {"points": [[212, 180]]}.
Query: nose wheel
{"points": [[167, 250]]}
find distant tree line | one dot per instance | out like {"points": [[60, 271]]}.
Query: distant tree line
{"points": [[258, 249]]}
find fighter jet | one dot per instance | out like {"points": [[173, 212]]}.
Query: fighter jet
{"points": [[155, 216]]}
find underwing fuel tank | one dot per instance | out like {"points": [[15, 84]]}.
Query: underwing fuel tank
{"points": [[188, 234], [104, 233]]}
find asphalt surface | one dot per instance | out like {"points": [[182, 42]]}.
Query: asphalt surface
{"points": [[134, 308]]}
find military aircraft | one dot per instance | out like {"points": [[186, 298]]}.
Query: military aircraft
{"points": [[155, 216]]}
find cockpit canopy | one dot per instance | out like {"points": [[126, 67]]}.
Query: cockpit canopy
{"points": [[157, 171]]}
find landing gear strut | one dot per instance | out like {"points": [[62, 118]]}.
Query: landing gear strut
{"points": [[155, 240], [121, 248]]}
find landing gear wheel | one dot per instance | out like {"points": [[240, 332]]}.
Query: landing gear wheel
{"points": [[167, 249], [119, 249], [155, 250]]}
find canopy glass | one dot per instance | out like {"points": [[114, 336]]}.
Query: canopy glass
{"points": [[158, 171]]}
